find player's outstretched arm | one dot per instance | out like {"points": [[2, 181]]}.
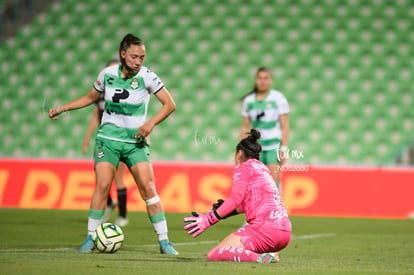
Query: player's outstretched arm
{"points": [[197, 223], [78, 103]]}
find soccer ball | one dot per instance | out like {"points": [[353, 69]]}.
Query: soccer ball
{"points": [[108, 238]]}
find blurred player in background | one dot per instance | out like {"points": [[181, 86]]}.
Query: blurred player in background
{"points": [[95, 120], [122, 134], [267, 110], [255, 194]]}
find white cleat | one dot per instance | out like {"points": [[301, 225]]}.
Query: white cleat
{"points": [[121, 221]]}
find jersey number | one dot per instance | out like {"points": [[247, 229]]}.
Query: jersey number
{"points": [[120, 94]]}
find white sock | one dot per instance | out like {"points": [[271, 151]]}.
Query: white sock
{"points": [[159, 223], [93, 224]]}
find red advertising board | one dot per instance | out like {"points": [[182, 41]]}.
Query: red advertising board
{"points": [[351, 192], [184, 187]]}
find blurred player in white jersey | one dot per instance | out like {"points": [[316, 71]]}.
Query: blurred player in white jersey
{"points": [[267, 110], [123, 132], [94, 122]]}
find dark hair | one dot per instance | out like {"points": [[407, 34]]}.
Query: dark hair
{"points": [[127, 41], [254, 90], [250, 146]]}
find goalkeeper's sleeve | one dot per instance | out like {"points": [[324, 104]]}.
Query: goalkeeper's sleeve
{"points": [[218, 204]]}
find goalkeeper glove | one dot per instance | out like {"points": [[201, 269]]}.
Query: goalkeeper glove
{"points": [[200, 222]]}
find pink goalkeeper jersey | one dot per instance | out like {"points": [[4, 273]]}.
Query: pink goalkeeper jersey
{"points": [[255, 194]]}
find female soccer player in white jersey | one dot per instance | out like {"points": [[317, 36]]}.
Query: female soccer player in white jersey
{"points": [[127, 88], [95, 120], [267, 110], [255, 194]]}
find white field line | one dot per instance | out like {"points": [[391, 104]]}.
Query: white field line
{"points": [[64, 249], [312, 236], [179, 244], [58, 249]]}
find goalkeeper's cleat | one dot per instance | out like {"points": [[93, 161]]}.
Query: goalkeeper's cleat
{"points": [[276, 256], [88, 245], [267, 258], [167, 248]]}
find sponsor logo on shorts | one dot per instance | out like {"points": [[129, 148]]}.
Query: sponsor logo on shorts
{"points": [[100, 154]]}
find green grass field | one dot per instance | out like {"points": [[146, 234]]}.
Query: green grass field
{"points": [[45, 242]]}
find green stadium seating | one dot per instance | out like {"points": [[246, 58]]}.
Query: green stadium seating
{"points": [[345, 68]]}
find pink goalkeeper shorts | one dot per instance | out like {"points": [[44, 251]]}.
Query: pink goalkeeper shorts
{"points": [[263, 239]]}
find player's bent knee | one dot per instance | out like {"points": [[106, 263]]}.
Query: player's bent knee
{"points": [[210, 254], [153, 200]]}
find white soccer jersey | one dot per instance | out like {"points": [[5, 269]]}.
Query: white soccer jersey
{"points": [[126, 101], [264, 116]]}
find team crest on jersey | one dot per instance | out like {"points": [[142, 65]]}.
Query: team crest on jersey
{"points": [[134, 84]]}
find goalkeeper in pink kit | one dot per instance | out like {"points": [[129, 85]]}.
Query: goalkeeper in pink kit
{"points": [[255, 194]]}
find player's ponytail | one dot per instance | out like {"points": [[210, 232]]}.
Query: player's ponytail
{"points": [[250, 145]]}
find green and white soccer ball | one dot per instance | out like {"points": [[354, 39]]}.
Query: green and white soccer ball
{"points": [[108, 238]]}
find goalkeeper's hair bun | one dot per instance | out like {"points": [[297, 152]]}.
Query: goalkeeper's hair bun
{"points": [[254, 134], [250, 146]]}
